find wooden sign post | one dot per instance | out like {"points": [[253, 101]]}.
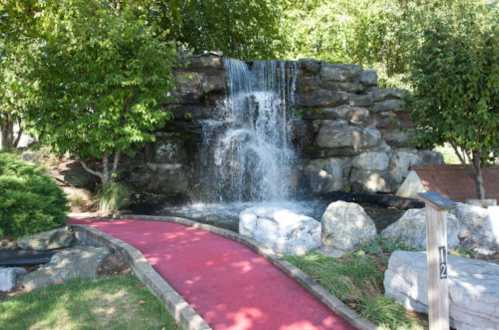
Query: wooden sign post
{"points": [[437, 207]]}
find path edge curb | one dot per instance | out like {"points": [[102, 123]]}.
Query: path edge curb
{"points": [[332, 302], [183, 313]]}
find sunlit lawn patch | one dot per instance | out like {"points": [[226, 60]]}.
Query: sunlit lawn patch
{"points": [[119, 302]]}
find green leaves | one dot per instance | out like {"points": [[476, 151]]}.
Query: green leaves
{"points": [[102, 75], [455, 73]]}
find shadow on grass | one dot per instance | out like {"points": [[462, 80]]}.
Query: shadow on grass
{"points": [[119, 302]]}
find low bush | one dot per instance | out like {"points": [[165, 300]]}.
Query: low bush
{"points": [[30, 201], [113, 197]]}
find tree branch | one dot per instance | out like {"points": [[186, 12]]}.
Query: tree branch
{"points": [[116, 160], [459, 155], [98, 174], [19, 135]]}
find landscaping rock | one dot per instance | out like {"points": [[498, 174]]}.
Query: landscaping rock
{"points": [[338, 134], [280, 229], [8, 278], [370, 181], [388, 105], [410, 229], [479, 228], [401, 162], [346, 225], [339, 72], [473, 288], [411, 186], [372, 161], [79, 262], [327, 175], [52, 239], [322, 98], [369, 77]]}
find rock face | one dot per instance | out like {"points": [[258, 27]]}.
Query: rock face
{"points": [[52, 239], [339, 114], [473, 288], [345, 226], [79, 262], [479, 228], [8, 278], [282, 230], [410, 229]]}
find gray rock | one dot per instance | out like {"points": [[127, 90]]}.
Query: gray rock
{"points": [[369, 77], [280, 229], [310, 65], [345, 226], [354, 115], [339, 72], [401, 161], [372, 161], [473, 288], [48, 240], [352, 87], [8, 278], [398, 138], [411, 186], [380, 94], [479, 228], [430, 157], [79, 262], [410, 229], [337, 134], [360, 100], [370, 181], [322, 98], [206, 61], [388, 105], [327, 175]]}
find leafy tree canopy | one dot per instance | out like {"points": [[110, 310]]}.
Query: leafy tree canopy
{"points": [[101, 76], [246, 29], [455, 74]]}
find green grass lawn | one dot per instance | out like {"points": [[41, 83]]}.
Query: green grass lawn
{"points": [[357, 280], [118, 302]]}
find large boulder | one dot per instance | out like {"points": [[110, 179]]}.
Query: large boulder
{"points": [[479, 228], [283, 230], [372, 161], [339, 72], [371, 181], [8, 278], [327, 175], [338, 134], [48, 240], [410, 229], [345, 226], [473, 288], [79, 262]]}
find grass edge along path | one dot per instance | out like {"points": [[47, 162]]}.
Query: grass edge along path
{"points": [[357, 279], [115, 302]]}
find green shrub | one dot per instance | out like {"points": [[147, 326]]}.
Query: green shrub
{"points": [[113, 197], [30, 201]]}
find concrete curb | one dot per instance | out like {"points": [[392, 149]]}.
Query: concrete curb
{"points": [[333, 303], [180, 309]]}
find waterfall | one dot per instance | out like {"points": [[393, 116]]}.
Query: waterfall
{"points": [[247, 154]]}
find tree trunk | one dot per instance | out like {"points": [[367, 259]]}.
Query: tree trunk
{"points": [[108, 172], [477, 166], [7, 128]]}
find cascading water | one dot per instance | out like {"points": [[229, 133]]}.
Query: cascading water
{"points": [[247, 154]]}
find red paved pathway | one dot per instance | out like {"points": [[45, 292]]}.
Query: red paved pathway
{"points": [[230, 286]]}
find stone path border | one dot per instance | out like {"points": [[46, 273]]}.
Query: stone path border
{"points": [[333, 303], [180, 309]]}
